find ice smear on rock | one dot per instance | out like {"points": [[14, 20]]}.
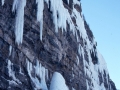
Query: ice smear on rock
{"points": [[40, 73], [93, 71], [12, 73]]}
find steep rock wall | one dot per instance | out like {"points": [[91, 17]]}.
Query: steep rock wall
{"points": [[68, 49]]}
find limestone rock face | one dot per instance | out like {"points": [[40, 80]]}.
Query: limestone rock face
{"points": [[71, 51]]}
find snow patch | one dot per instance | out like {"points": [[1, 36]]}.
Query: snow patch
{"points": [[58, 82], [101, 63]]}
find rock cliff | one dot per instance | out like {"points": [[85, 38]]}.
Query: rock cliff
{"points": [[48, 45]]}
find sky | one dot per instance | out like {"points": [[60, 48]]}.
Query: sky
{"points": [[103, 17]]}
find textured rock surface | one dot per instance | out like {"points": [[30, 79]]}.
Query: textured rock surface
{"points": [[56, 52]]}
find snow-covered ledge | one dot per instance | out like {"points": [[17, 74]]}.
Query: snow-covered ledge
{"points": [[58, 82]]}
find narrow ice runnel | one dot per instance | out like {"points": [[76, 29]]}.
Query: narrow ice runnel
{"points": [[18, 6]]}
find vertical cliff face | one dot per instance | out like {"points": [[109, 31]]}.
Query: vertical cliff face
{"points": [[48, 45]]}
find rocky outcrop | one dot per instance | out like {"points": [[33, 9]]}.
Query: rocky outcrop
{"points": [[72, 52]]}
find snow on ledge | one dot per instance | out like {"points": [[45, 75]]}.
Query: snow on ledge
{"points": [[58, 82]]}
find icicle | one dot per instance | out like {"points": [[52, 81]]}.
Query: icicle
{"points": [[54, 9], [10, 50], [79, 50], [37, 68], [3, 2], [77, 36], [11, 73], [73, 75], [29, 67], [9, 68], [40, 9], [43, 82], [73, 88], [14, 7], [87, 84], [68, 1], [40, 72], [21, 71], [19, 5], [47, 1], [77, 60], [46, 71]]}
